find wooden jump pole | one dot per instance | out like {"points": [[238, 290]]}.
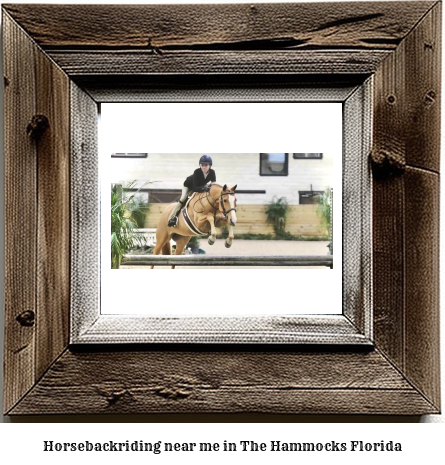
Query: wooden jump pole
{"points": [[230, 260]]}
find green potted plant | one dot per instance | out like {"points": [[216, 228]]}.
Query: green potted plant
{"points": [[324, 212], [194, 243], [124, 236], [139, 211], [276, 213]]}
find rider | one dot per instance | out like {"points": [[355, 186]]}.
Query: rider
{"points": [[199, 181]]}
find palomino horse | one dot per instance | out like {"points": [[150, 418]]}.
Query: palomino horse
{"points": [[200, 215]]}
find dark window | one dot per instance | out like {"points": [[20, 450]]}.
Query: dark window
{"points": [[309, 197], [129, 155], [311, 156], [274, 164]]}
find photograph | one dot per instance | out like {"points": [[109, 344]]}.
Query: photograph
{"points": [[267, 204]]}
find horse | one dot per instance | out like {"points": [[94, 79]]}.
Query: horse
{"points": [[202, 212]]}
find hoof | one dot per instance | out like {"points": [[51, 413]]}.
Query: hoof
{"points": [[228, 245], [211, 242]]}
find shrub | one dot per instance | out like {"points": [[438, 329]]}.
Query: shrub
{"points": [[123, 224], [324, 210], [276, 213], [195, 241]]}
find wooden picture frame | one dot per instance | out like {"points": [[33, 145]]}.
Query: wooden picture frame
{"points": [[79, 55]]}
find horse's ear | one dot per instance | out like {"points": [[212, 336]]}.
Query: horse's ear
{"points": [[234, 188], [225, 187]]}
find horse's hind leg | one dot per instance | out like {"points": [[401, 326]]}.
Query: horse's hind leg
{"points": [[180, 245], [167, 248], [157, 250]]}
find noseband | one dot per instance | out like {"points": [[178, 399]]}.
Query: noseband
{"points": [[224, 211]]}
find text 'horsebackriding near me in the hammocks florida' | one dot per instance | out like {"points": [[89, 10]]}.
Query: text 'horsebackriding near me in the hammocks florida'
{"points": [[209, 206]]}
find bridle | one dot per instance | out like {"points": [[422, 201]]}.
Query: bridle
{"points": [[221, 203]]}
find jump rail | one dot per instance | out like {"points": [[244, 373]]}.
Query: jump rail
{"points": [[230, 260]]}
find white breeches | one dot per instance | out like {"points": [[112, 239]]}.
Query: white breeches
{"points": [[184, 194]]}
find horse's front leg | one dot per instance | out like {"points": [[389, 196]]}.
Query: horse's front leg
{"points": [[212, 237], [229, 240]]}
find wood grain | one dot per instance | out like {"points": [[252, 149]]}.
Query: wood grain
{"points": [[219, 381], [357, 209], [406, 206], [85, 209], [423, 92], [38, 223], [388, 201], [53, 228], [302, 220], [129, 63], [422, 255], [399, 42], [153, 27], [20, 212], [232, 331], [421, 211], [218, 87], [388, 268], [407, 114]]}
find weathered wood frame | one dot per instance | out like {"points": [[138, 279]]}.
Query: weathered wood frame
{"points": [[98, 49], [90, 320]]}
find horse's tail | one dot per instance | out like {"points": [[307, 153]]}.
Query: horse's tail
{"points": [[167, 248]]}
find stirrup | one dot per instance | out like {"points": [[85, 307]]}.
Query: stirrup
{"points": [[173, 221]]}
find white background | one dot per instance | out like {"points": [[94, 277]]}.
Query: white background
{"points": [[224, 128], [22, 442]]}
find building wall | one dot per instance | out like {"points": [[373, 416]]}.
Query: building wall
{"points": [[168, 171]]}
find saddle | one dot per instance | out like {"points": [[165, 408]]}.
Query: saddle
{"points": [[188, 221]]}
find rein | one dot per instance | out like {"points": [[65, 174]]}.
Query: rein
{"points": [[215, 202], [206, 197]]}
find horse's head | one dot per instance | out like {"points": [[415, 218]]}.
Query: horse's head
{"points": [[227, 204]]}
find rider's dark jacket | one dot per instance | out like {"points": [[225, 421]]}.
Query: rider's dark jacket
{"points": [[197, 181]]}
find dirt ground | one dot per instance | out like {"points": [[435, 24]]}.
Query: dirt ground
{"points": [[266, 247], [243, 247]]}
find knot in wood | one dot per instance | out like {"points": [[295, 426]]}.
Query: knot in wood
{"points": [[37, 126], [430, 97], [386, 162], [112, 394], [115, 396], [26, 318], [172, 393]]}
